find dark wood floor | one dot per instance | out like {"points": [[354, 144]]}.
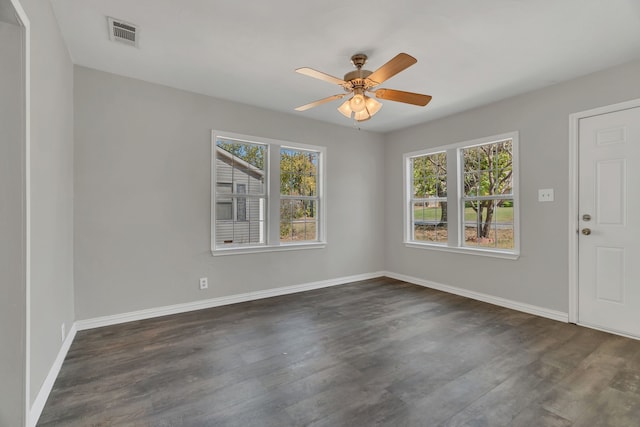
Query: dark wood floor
{"points": [[378, 352]]}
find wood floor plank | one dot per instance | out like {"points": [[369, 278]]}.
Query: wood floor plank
{"points": [[375, 352]]}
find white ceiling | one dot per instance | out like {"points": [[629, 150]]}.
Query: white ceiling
{"points": [[469, 52]]}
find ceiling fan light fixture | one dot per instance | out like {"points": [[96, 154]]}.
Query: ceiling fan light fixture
{"points": [[357, 102], [372, 105], [361, 116], [369, 109], [345, 109]]}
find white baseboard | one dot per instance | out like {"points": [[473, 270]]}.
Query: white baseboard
{"points": [[47, 385], [503, 302], [217, 302]]}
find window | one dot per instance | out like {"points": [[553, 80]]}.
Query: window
{"points": [[429, 197], [487, 199], [298, 195], [267, 194], [463, 197]]}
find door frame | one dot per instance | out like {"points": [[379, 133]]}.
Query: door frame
{"points": [[574, 199], [24, 23]]}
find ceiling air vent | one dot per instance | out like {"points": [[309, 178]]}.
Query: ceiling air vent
{"points": [[123, 32]]}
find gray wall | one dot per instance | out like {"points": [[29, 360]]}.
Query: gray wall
{"points": [[51, 189], [12, 260], [143, 198], [540, 276]]}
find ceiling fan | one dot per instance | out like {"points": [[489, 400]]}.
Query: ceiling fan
{"points": [[360, 82]]}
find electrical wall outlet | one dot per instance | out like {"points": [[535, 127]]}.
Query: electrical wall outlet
{"points": [[63, 332], [545, 195], [204, 284]]}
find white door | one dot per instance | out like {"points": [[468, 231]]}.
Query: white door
{"points": [[609, 222]]}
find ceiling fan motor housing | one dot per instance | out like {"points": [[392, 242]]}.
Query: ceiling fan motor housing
{"points": [[357, 79]]}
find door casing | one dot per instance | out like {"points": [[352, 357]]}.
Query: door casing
{"points": [[25, 107]]}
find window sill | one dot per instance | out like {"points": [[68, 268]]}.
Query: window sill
{"points": [[261, 249], [468, 251]]}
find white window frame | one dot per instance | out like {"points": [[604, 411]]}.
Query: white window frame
{"points": [[271, 197], [455, 199]]}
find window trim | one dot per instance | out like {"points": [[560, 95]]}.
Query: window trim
{"points": [[454, 244], [271, 196]]}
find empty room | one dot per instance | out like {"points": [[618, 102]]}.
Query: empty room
{"points": [[289, 213]]}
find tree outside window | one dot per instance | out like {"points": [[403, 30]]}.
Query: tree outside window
{"points": [[488, 195]]}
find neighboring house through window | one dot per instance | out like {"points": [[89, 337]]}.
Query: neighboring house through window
{"points": [[239, 166], [463, 197], [241, 202], [224, 204]]}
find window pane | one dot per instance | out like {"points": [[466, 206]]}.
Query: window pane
{"points": [[241, 163], [470, 158], [429, 175], [485, 184], [241, 203], [471, 211], [480, 232], [224, 211], [489, 224], [224, 202], [250, 230], [240, 169], [299, 177], [470, 234], [505, 225], [298, 220], [298, 172], [488, 169], [430, 221], [471, 181], [505, 180]]}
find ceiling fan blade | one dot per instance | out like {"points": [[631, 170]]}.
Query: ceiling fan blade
{"points": [[406, 97], [320, 102], [400, 62], [320, 75]]}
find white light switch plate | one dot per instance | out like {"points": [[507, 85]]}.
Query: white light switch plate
{"points": [[545, 195]]}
